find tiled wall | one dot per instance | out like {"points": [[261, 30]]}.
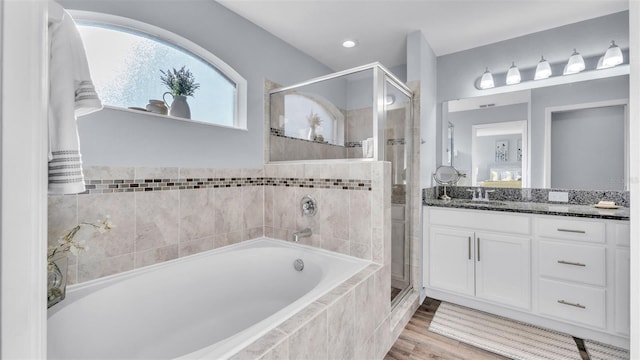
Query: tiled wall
{"points": [[155, 224], [165, 213]]}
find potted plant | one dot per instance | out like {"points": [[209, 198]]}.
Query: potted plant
{"points": [[181, 84]]}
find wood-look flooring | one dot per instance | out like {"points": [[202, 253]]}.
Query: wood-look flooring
{"points": [[417, 342]]}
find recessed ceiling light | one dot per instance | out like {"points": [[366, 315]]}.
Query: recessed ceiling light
{"points": [[349, 43]]}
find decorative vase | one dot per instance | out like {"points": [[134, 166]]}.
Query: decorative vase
{"points": [[56, 279], [179, 107], [312, 134]]}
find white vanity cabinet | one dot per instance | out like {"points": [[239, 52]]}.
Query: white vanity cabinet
{"points": [[476, 256], [569, 274]]}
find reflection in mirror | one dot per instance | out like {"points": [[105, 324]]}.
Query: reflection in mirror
{"points": [[587, 146], [481, 124], [497, 152], [582, 140]]}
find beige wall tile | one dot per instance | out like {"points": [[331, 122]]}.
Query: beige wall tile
{"points": [[198, 173], [197, 214], [195, 246], [360, 216], [333, 213], [278, 352], [253, 233], [157, 219], [341, 327], [144, 172], [360, 170], [365, 319], [108, 172], [157, 255], [302, 318], [285, 206], [360, 250], [228, 239], [62, 216], [108, 266], [253, 206], [268, 205], [310, 341], [228, 213], [262, 346], [115, 242]]}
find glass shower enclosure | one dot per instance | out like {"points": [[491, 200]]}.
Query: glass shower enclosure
{"points": [[361, 114]]}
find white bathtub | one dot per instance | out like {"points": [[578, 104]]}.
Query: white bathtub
{"points": [[209, 305]]}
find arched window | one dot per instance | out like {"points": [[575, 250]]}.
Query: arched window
{"points": [[126, 56]]}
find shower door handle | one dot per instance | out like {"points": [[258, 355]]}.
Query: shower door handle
{"points": [[478, 249], [469, 248]]}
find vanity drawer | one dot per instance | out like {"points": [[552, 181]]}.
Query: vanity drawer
{"points": [[575, 303], [583, 263], [581, 230], [481, 220]]}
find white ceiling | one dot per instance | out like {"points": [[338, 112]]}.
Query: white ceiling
{"points": [[318, 27]]}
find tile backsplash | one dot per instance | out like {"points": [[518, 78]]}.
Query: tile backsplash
{"points": [[162, 214]]}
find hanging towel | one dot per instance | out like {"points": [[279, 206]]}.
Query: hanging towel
{"points": [[71, 94], [367, 148]]}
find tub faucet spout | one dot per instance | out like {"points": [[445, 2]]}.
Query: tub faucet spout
{"points": [[301, 234]]}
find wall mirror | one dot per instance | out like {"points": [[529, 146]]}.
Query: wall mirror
{"points": [[569, 136]]}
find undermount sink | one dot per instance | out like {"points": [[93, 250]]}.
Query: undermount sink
{"points": [[482, 203]]}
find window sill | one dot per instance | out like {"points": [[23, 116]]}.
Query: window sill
{"points": [[148, 113]]}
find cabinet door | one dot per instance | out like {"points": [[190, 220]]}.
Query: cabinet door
{"points": [[450, 260], [503, 269], [622, 312]]}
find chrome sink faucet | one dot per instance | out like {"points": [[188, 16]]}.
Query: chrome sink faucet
{"points": [[301, 234], [477, 194]]}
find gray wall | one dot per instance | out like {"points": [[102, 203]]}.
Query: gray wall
{"points": [[589, 141], [562, 95], [458, 71], [422, 66], [112, 137]]}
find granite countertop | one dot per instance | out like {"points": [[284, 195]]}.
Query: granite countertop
{"points": [[561, 209]]}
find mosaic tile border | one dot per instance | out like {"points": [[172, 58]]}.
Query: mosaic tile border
{"points": [[138, 185]]}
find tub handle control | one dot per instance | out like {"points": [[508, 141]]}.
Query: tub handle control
{"points": [[308, 206], [298, 264]]}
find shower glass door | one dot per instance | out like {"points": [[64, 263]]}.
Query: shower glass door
{"points": [[397, 150]]}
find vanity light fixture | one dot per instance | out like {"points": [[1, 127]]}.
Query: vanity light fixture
{"points": [[513, 75], [575, 64], [543, 70], [349, 43], [486, 82], [613, 56]]}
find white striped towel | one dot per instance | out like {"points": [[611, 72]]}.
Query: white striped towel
{"points": [[71, 94]]}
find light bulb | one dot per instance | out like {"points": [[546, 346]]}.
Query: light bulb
{"points": [[486, 82], [575, 64], [543, 70], [613, 56], [513, 75]]}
